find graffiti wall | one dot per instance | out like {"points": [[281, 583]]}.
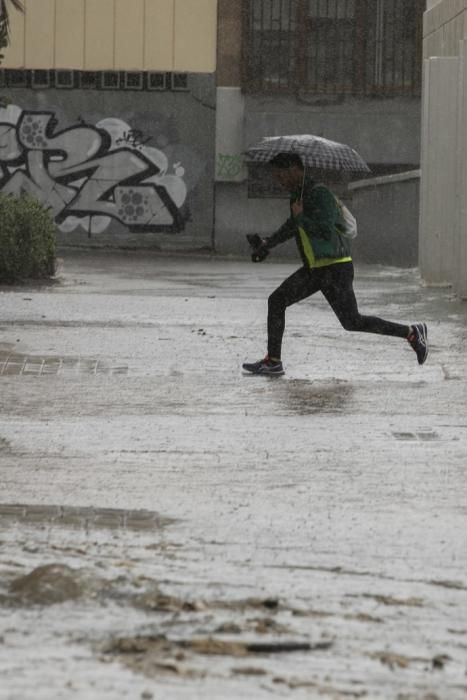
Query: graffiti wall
{"points": [[110, 174]]}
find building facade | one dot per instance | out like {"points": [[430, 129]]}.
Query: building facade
{"points": [[443, 202], [111, 119], [130, 119]]}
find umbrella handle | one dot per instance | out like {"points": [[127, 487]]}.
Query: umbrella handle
{"points": [[303, 183]]}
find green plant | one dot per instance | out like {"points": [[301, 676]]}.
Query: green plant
{"points": [[27, 239], [5, 32], [5, 11]]}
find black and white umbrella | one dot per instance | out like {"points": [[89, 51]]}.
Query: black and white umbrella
{"points": [[314, 151]]}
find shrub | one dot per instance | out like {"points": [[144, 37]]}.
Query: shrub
{"points": [[27, 239]]}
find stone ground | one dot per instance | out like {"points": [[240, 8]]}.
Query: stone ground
{"points": [[172, 529]]}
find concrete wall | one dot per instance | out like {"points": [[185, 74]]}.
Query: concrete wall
{"points": [[383, 131], [122, 168], [387, 212], [154, 35]]}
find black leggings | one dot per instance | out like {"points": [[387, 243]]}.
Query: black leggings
{"points": [[336, 283]]}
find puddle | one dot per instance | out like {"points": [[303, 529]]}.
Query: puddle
{"points": [[309, 397]]}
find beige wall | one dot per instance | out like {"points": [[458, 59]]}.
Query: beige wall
{"points": [[229, 34], [155, 35]]}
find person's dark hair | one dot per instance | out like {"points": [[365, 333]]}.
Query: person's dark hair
{"points": [[286, 160]]}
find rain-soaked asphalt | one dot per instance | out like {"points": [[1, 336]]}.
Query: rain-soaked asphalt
{"points": [[173, 529]]}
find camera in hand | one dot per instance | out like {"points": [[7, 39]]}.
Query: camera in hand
{"points": [[258, 246]]}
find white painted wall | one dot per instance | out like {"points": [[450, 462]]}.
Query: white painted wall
{"points": [[461, 209], [439, 170], [443, 187]]}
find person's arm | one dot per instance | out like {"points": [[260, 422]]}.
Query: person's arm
{"points": [[286, 231]]}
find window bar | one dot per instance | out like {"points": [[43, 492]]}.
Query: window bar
{"points": [[403, 52], [318, 39], [379, 45], [314, 20], [359, 41], [418, 52], [290, 47], [247, 39], [285, 42], [387, 34], [270, 42], [255, 16], [319, 56], [333, 33], [408, 73], [301, 53], [340, 33], [342, 47], [349, 24], [396, 54], [385, 44], [334, 38], [280, 46], [340, 64], [261, 61], [327, 43]]}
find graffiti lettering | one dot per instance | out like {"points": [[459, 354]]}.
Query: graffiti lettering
{"points": [[90, 175], [229, 166], [134, 138]]}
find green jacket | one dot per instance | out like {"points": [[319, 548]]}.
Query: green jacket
{"points": [[322, 222]]}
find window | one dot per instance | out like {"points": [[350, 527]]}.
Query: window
{"points": [[337, 47]]}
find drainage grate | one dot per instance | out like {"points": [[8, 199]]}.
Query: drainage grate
{"points": [[27, 365], [424, 436], [82, 518]]}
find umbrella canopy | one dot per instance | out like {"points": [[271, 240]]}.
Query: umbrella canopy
{"points": [[314, 151]]}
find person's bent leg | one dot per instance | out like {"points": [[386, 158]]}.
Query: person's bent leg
{"points": [[338, 290], [298, 286]]}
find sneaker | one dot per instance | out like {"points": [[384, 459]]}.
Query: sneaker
{"points": [[418, 339], [265, 366]]}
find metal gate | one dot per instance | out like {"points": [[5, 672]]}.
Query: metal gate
{"points": [[333, 47]]}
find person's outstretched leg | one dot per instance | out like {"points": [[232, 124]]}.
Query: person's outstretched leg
{"points": [[298, 286], [337, 287], [302, 284]]}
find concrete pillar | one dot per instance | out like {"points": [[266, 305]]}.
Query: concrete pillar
{"points": [[230, 112], [437, 242], [461, 227]]}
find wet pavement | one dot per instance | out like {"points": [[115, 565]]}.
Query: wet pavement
{"points": [[171, 528]]}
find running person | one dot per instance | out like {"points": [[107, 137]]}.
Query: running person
{"points": [[327, 267]]}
